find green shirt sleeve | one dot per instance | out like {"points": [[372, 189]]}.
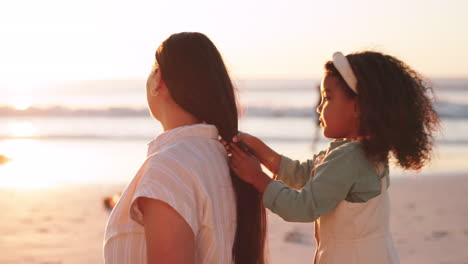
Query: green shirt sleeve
{"points": [[334, 180], [295, 173]]}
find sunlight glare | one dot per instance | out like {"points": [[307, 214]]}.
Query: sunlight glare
{"points": [[22, 130], [38, 164], [21, 103], [23, 170]]}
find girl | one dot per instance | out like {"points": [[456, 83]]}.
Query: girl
{"points": [[184, 205], [373, 106]]}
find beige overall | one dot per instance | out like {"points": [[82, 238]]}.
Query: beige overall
{"points": [[357, 233]]}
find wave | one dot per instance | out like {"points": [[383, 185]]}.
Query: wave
{"points": [[452, 110], [460, 84], [147, 138], [59, 111], [130, 137], [447, 110], [69, 137]]}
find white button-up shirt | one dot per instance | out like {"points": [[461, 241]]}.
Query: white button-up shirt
{"points": [[187, 169]]}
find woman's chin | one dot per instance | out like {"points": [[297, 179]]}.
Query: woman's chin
{"points": [[153, 115]]}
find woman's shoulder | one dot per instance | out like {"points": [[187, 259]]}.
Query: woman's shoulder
{"points": [[170, 161], [190, 146], [179, 150], [189, 155]]}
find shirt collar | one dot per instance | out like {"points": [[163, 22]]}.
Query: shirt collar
{"points": [[175, 134], [337, 143]]}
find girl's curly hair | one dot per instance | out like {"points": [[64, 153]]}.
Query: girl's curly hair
{"points": [[396, 110]]}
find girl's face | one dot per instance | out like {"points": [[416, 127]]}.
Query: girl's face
{"points": [[338, 112]]}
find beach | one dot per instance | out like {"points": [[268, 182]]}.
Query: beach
{"points": [[60, 162], [75, 122], [429, 221]]}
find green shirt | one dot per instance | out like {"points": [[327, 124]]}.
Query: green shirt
{"points": [[343, 174]]}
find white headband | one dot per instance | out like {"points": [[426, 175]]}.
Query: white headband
{"points": [[343, 67]]}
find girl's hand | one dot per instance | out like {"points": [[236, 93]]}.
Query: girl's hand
{"points": [[258, 149], [247, 168], [247, 142], [250, 141]]}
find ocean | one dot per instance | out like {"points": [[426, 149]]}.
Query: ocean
{"points": [[96, 132]]}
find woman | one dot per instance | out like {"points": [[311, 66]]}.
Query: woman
{"points": [[185, 205]]}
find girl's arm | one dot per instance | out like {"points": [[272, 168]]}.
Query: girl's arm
{"points": [[294, 173], [169, 238], [332, 183]]}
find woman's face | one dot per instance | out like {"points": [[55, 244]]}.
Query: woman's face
{"points": [[152, 84], [338, 112]]}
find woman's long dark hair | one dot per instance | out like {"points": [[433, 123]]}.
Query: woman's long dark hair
{"points": [[198, 81], [396, 108]]}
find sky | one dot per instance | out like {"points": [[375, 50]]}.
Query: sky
{"points": [[53, 40], [48, 41]]}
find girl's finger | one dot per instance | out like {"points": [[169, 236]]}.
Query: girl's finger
{"points": [[234, 166], [235, 170], [230, 162], [236, 159], [227, 148], [238, 137], [236, 150]]}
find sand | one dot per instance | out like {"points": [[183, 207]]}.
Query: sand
{"points": [[66, 225]]}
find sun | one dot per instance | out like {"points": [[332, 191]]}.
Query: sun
{"points": [[21, 103]]}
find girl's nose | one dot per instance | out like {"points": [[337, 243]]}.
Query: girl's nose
{"points": [[319, 109]]}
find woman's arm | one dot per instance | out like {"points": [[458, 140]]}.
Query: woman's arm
{"points": [[169, 238]]}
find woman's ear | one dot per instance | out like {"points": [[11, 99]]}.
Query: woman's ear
{"points": [[156, 84], [151, 83], [160, 83]]}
